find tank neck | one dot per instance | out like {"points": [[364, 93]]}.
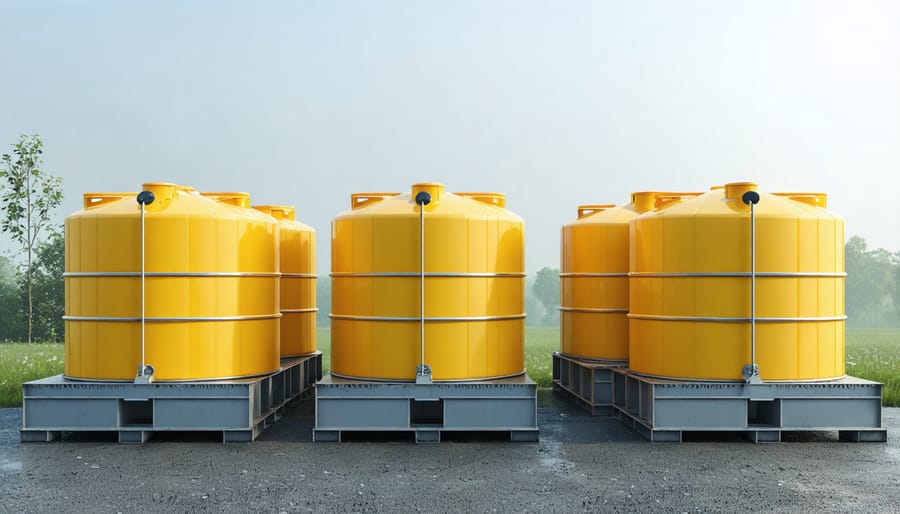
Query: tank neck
{"points": [[162, 191], [736, 190], [435, 189], [643, 201]]}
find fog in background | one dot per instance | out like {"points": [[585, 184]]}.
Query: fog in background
{"points": [[555, 103]]}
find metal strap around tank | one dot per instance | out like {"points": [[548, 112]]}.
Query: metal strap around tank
{"points": [[428, 274], [79, 274], [299, 311], [736, 320], [571, 275], [596, 311], [347, 317], [174, 320], [788, 274]]}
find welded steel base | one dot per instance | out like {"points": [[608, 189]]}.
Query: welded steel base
{"points": [[506, 405], [240, 409], [589, 383], [663, 410]]}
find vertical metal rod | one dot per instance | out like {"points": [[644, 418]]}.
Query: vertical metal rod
{"points": [[422, 287], [143, 295], [753, 285]]}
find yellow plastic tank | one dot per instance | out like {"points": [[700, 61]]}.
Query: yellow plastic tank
{"points": [[690, 281], [474, 287], [297, 248], [211, 288], [594, 280]]}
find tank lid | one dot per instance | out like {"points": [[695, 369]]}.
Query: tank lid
{"points": [[435, 189], [587, 210], [358, 200], [815, 199], [496, 199], [162, 191], [236, 198], [643, 201], [736, 190], [97, 199]]}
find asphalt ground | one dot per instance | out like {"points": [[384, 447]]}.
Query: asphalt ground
{"points": [[581, 464]]}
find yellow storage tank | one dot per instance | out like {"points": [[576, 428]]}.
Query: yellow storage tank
{"points": [[297, 248], [690, 281], [474, 287], [594, 280], [211, 288]]}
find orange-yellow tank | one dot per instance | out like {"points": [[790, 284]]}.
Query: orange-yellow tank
{"points": [[211, 287], [690, 281], [474, 287], [594, 280], [297, 248]]}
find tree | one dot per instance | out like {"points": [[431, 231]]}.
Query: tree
{"points": [[29, 195], [870, 277], [11, 322], [49, 289], [546, 288]]}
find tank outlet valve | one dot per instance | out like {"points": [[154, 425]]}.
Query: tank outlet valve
{"points": [[423, 373], [144, 374], [145, 197], [751, 374], [423, 198]]}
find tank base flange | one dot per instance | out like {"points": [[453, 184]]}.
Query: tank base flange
{"points": [[588, 383], [428, 412], [238, 409], [665, 410]]}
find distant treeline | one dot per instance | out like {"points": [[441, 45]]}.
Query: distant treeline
{"points": [[872, 292]]}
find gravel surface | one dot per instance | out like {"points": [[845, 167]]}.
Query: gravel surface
{"points": [[581, 464]]}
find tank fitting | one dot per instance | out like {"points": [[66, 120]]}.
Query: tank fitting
{"points": [[750, 371], [145, 371]]}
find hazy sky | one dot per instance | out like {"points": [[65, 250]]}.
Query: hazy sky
{"points": [[554, 103]]}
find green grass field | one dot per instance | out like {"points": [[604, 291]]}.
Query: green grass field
{"points": [[873, 354]]}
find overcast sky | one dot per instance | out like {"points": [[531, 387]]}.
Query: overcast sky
{"points": [[555, 103]]}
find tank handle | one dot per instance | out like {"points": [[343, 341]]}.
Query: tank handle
{"points": [[815, 199], [587, 210], [667, 198], [358, 200], [98, 199], [495, 199]]}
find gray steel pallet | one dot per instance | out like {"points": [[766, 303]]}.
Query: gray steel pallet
{"points": [[240, 409], [589, 383], [427, 410], [663, 410]]}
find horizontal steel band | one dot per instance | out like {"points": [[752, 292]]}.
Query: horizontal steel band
{"points": [[150, 274], [572, 275], [594, 311], [788, 274], [299, 311], [175, 320], [299, 275], [428, 274], [418, 319], [735, 320]]}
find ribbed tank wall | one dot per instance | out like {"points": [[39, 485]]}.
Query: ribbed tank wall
{"points": [[690, 304], [297, 250], [211, 288], [474, 287], [594, 280]]}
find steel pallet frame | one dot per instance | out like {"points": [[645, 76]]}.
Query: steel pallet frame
{"points": [[427, 410], [663, 410], [240, 409], [590, 383]]}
